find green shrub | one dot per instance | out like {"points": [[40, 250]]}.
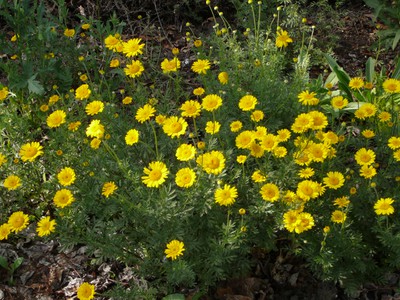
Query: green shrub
{"points": [[267, 155], [387, 12]]}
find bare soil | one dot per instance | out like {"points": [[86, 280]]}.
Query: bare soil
{"points": [[47, 272]]}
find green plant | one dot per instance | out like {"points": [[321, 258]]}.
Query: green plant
{"points": [[10, 267], [180, 168], [387, 12]]}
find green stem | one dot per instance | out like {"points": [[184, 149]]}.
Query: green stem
{"points": [[227, 222], [195, 129], [255, 25], [155, 140], [258, 24]]}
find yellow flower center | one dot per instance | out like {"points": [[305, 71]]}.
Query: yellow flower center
{"points": [[385, 206], [307, 190], [134, 68], [365, 158], [46, 226], [155, 175], [270, 193], [334, 180], [214, 163], [176, 127], [30, 152], [17, 222], [63, 199]]}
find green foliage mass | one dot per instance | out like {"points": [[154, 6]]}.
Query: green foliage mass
{"points": [[258, 196]]}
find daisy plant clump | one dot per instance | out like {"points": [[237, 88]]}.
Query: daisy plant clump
{"points": [[182, 180]]}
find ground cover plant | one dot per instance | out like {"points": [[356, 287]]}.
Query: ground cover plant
{"points": [[182, 164]]}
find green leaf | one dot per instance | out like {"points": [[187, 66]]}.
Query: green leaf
{"points": [[396, 72], [332, 78], [3, 262], [396, 39], [35, 86], [174, 297], [198, 295], [17, 263], [376, 5], [370, 69], [331, 61], [345, 88], [353, 106], [340, 73]]}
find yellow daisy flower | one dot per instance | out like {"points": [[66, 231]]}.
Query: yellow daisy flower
{"points": [[334, 180], [174, 126], [45, 226], [185, 178], [69, 32], [308, 98], [198, 91], [174, 249], [270, 192], [112, 42], [307, 189], [365, 157], [226, 196], [3, 93], [108, 188], [394, 142], [134, 69], [223, 77], [338, 217], [290, 220], [56, 118], [212, 127], [282, 39], [244, 139], [170, 65], [94, 108], [155, 174], [235, 126], [185, 152], [304, 222], [30, 151], [85, 291], [247, 102], [66, 176], [83, 92], [145, 113], [5, 230], [367, 171], [201, 66], [190, 108], [132, 137], [12, 182], [391, 85], [18, 221], [63, 198], [342, 202], [384, 206], [339, 102], [95, 129], [132, 47], [211, 102], [356, 83], [257, 115], [212, 162]]}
